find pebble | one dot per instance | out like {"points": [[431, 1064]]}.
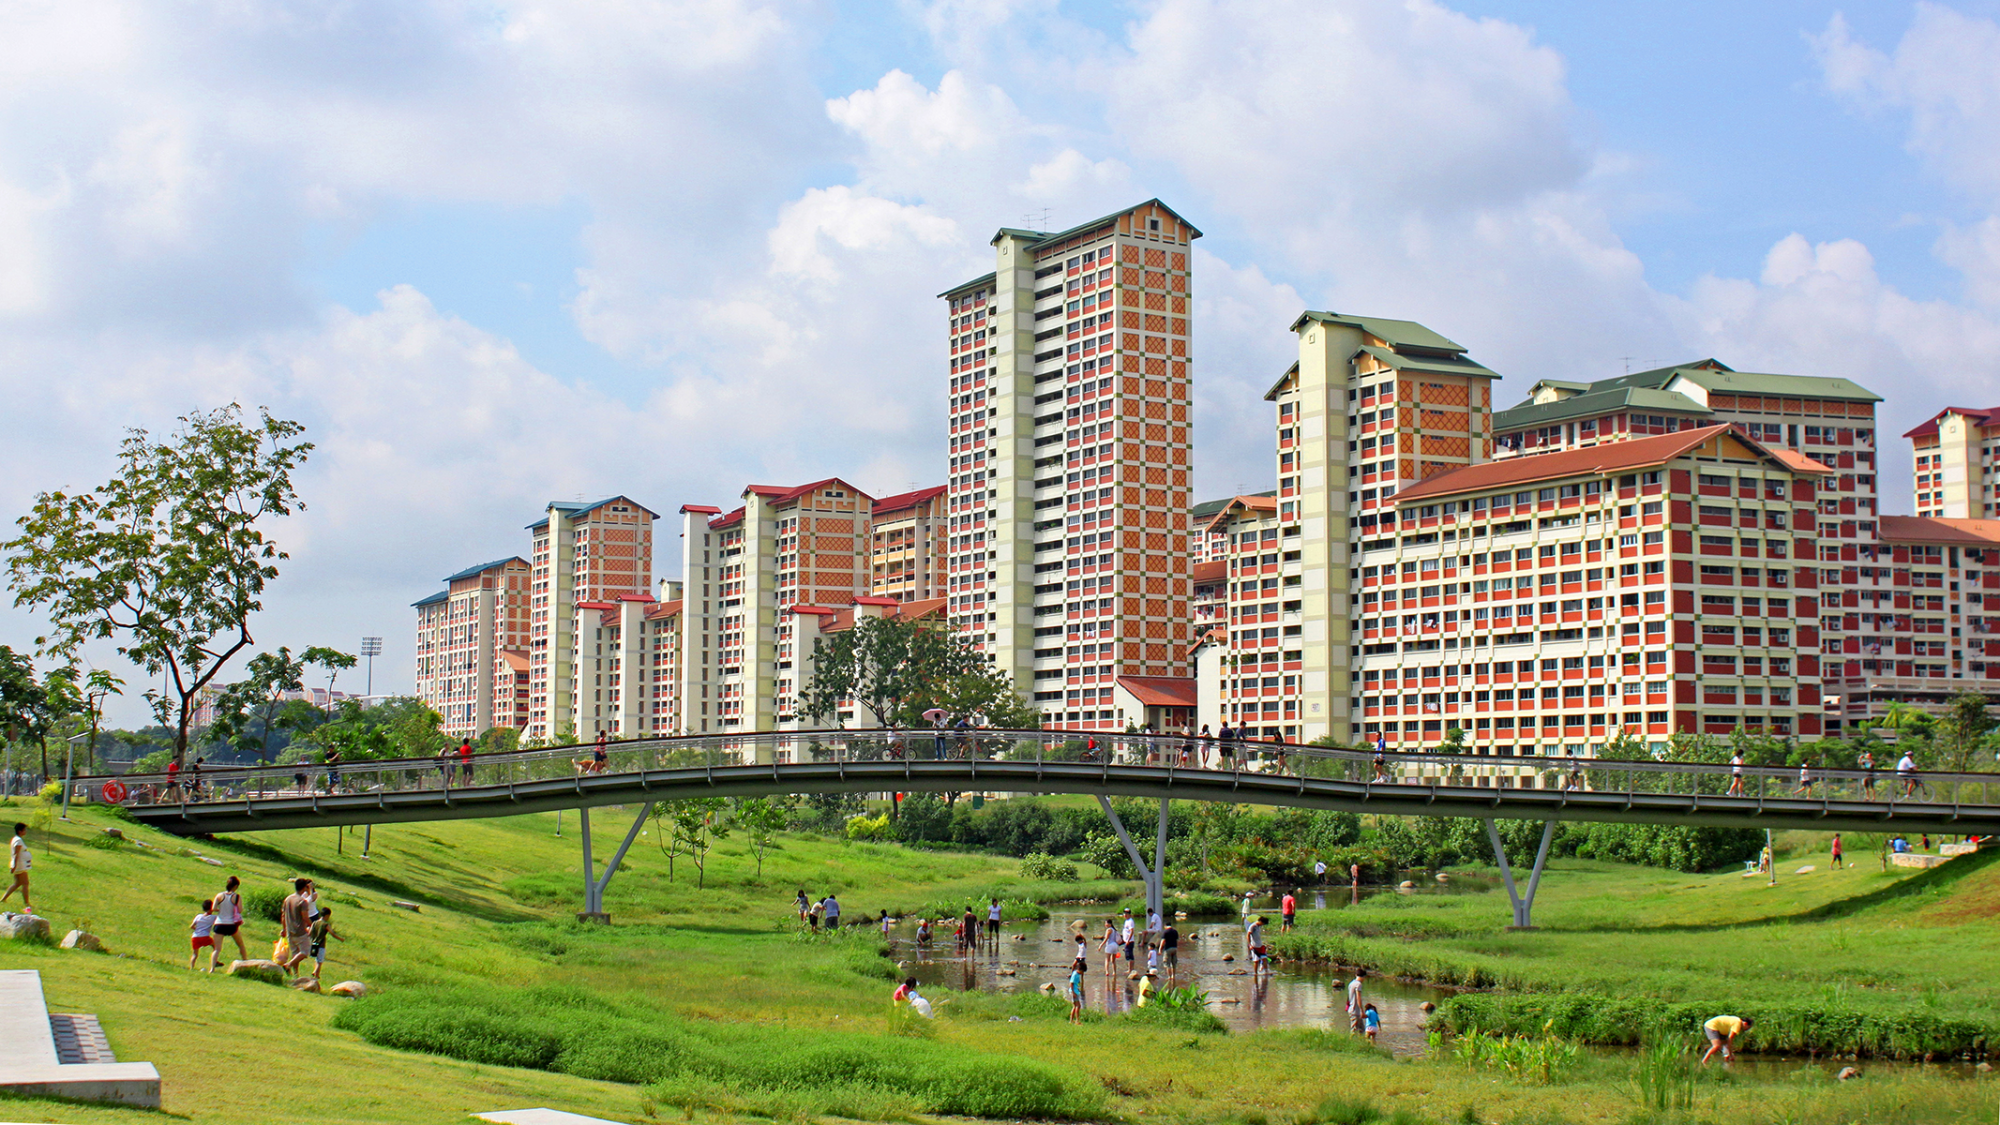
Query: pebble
{"points": [[399, 904], [1846, 1073], [1048, 986], [210, 862]]}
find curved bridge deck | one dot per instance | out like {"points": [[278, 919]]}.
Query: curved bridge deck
{"points": [[1696, 794]]}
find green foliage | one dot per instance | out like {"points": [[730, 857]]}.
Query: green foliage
{"points": [[1434, 842], [761, 820], [865, 827], [1183, 1009], [259, 697], [169, 556], [899, 668], [1804, 1025], [1106, 851], [575, 1032], [1663, 1075], [267, 903], [1042, 866], [1527, 1058]]}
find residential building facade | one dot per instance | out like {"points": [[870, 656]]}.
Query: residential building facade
{"points": [[744, 571], [1548, 604], [463, 632], [1954, 463], [906, 546], [581, 552], [1070, 449], [1373, 405]]}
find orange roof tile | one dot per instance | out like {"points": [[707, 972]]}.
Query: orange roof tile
{"points": [[1249, 503], [1930, 529], [1593, 460], [903, 500], [779, 494], [1797, 462], [1987, 417], [1161, 691], [663, 609]]}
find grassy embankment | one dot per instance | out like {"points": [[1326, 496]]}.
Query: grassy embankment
{"points": [[758, 1021], [1861, 959]]}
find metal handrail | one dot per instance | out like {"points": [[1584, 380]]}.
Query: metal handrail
{"points": [[836, 745]]}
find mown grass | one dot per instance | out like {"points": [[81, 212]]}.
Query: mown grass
{"points": [[1857, 960], [709, 964]]}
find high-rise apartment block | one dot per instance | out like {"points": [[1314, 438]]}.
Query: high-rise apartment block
{"points": [[581, 552], [1373, 405], [744, 571], [906, 545], [1954, 463], [1070, 450], [1548, 603], [468, 636]]}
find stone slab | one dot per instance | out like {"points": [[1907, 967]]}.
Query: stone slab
{"points": [[1916, 859], [541, 1117], [33, 1065], [1957, 849]]}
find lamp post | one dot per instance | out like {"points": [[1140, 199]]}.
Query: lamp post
{"points": [[371, 647], [69, 769]]}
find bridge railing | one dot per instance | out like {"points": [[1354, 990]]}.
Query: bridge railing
{"points": [[1172, 752]]}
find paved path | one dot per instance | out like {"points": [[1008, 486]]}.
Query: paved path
{"points": [[63, 1056]]}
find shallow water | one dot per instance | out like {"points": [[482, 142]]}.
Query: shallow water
{"points": [[1288, 996]]}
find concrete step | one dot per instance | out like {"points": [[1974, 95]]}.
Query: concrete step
{"points": [[63, 1055]]}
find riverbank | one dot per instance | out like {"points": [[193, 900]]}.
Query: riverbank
{"points": [[760, 1020], [1854, 961]]}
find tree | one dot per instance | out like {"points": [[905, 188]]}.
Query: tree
{"points": [[761, 819], [272, 675], [1960, 733], [168, 556], [21, 696], [98, 686], [898, 668], [695, 823]]}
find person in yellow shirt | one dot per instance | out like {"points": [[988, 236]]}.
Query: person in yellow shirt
{"points": [[1722, 1032]]}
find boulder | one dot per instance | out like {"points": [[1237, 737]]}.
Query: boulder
{"points": [[306, 984], [1229, 957], [1428, 1007], [1847, 1073], [270, 972], [115, 833], [30, 926], [349, 988], [1443, 878], [401, 905], [1048, 986], [77, 939], [1406, 885], [1007, 972]]}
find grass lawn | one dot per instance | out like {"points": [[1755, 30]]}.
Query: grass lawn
{"points": [[496, 897], [1859, 939]]}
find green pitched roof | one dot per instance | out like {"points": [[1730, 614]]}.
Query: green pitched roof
{"points": [[1593, 403], [1041, 236], [1792, 386], [976, 283], [1435, 364], [1400, 334], [1208, 508]]}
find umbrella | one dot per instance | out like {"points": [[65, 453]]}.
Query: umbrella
{"points": [[936, 715]]}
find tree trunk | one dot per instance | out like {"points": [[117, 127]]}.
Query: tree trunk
{"points": [[90, 754]]}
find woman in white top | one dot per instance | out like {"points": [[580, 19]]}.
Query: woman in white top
{"points": [[18, 862], [229, 917], [1111, 946]]}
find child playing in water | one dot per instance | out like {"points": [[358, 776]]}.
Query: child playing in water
{"points": [[1374, 1021]]}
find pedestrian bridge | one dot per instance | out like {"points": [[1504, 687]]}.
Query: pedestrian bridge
{"points": [[994, 761], [769, 764]]}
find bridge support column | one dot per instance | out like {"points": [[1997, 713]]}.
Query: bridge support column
{"points": [[593, 887], [1155, 896], [1524, 905]]}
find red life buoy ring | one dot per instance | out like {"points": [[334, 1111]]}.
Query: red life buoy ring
{"points": [[114, 791]]}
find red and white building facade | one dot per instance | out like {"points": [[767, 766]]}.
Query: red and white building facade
{"points": [[1069, 459]]}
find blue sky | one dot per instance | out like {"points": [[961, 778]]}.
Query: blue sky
{"points": [[499, 255]]}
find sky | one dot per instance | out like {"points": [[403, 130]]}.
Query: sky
{"points": [[496, 254]]}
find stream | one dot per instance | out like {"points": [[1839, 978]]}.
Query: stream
{"points": [[1291, 995]]}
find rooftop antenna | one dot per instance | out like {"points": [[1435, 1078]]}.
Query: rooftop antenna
{"points": [[1031, 222], [1628, 363]]}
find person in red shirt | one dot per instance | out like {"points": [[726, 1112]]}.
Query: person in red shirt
{"points": [[465, 761], [1290, 905]]}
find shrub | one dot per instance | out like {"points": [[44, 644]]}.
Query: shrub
{"points": [[686, 1063], [1044, 867], [267, 903]]}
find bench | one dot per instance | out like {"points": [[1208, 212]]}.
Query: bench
{"points": [[63, 1056]]}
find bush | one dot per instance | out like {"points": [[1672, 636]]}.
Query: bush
{"points": [[1044, 867], [571, 1032], [267, 903], [1801, 1027]]}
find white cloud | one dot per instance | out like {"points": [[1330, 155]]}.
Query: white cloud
{"points": [[1945, 72]]}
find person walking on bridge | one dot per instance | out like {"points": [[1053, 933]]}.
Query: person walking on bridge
{"points": [[465, 760], [1736, 774]]}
